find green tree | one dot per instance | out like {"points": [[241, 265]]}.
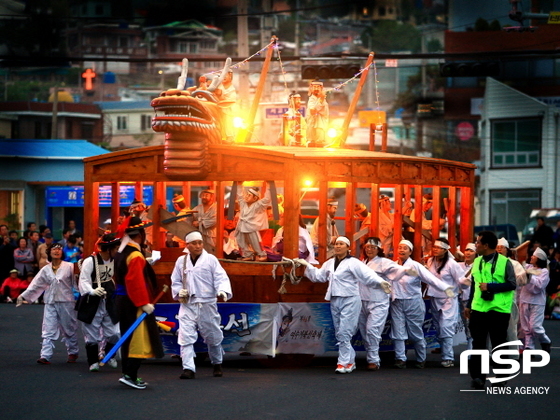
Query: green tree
{"points": [[481, 25], [390, 36]]}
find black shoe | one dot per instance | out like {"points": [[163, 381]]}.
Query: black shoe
{"points": [[546, 347], [137, 383], [218, 373], [187, 374], [420, 365], [477, 383], [400, 364]]}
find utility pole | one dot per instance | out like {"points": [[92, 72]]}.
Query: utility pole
{"points": [[54, 122], [296, 34], [243, 50]]}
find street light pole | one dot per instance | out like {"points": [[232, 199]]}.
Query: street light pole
{"points": [[54, 122]]}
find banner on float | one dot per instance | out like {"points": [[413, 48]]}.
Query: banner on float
{"points": [[289, 328], [247, 327]]}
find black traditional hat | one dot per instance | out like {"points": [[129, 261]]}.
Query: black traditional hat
{"points": [[135, 225]]}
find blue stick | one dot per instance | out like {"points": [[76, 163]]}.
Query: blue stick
{"points": [[127, 334]]}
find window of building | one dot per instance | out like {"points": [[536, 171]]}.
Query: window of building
{"points": [[181, 47], [542, 68], [145, 122], [513, 206], [516, 143], [38, 129], [122, 122], [516, 69], [87, 131]]}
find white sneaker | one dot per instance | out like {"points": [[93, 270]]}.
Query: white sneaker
{"points": [[447, 363], [340, 369], [350, 367], [94, 367], [112, 363]]}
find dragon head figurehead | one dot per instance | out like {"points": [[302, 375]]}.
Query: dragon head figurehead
{"points": [[191, 120]]}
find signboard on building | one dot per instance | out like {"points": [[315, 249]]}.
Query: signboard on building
{"points": [[74, 196], [554, 17], [464, 130]]}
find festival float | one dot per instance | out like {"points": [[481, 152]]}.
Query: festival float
{"points": [[273, 310]]}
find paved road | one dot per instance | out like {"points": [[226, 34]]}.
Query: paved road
{"points": [[250, 389]]}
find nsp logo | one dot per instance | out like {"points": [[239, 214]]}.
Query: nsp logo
{"points": [[499, 357]]}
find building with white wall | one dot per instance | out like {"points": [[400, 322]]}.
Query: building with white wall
{"points": [[520, 155], [129, 124]]}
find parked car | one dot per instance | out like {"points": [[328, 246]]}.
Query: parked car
{"points": [[551, 217], [507, 231]]}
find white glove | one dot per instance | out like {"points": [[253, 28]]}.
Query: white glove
{"points": [[386, 286], [100, 291], [301, 261], [465, 282], [183, 296], [411, 272], [449, 292], [19, 301], [148, 308], [222, 295]]}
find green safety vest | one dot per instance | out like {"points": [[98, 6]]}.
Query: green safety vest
{"points": [[491, 272]]}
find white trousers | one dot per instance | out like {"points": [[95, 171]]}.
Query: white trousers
{"points": [[532, 318], [59, 318], [445, 312], [373, 316], [101, 328], [248, 241], [407, 318], [205, 318], [345, 312]]}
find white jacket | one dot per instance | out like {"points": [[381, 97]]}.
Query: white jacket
{"points": [[57, 287], [535, 290], [450, 275], [344, 281], [409, 287], [386, 269], [203, 280]]}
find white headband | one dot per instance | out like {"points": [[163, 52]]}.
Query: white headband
{"points": [[407, 243], [540, 254], [441, 245], [503, 242], [471, 246], [252, 191], [332, 203], [343, 239], [193, 236], [374, 242]]}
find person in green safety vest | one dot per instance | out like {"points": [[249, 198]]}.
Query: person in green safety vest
{"points": [[489, 305]]}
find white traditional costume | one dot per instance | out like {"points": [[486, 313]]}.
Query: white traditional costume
{"points": [[343, 292], [104, 327], [375, 306], [59, 316], [532, 300], [408, 309], [445, 309], [204, 279]]}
